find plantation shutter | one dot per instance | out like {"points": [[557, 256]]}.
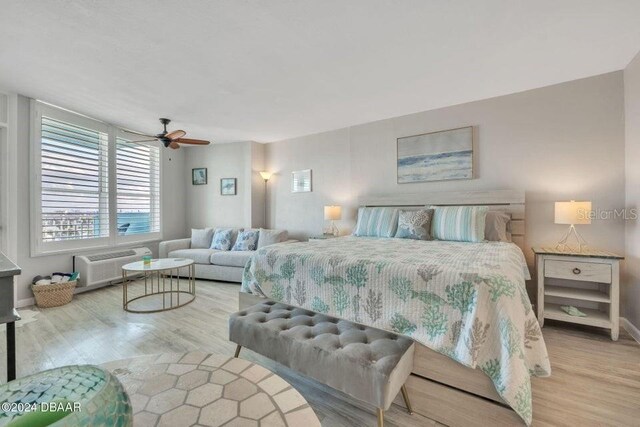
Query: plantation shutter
{"points": [[74, 182], [138, 188]]}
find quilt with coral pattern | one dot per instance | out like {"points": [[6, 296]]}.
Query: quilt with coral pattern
{"points": [[467, 301]]}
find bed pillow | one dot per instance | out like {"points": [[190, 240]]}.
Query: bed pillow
{"points": [[459, 223], [222, 239], [247, 241], [271, 237], [415, 224], [201, 238], [376, 222], [496, 227]]}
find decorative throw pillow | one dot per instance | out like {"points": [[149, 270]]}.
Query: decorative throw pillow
{"points": [[201, 238], [496, 227], [222, 239], [377, 222], [271, 237], [459, 223], [415, 224], [247, 240]]}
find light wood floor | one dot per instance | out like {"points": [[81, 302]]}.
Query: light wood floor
{"points": [[594, 381]]}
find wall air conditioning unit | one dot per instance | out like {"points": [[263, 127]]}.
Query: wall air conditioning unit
{"points": [[101, 269]]}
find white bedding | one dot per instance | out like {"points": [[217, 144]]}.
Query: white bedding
{"points": [[465, 300]]}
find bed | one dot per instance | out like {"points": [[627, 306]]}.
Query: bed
{"points": [[465, 304]]}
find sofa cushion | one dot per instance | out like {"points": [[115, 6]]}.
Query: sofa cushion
{"points": [[269, 237], [223, 239], [199, 256], [247, 240], [201, 238], [231, 258]]}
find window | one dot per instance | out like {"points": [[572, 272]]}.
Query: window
{"points": [[74, 190], [138, 175], [91, 188]]}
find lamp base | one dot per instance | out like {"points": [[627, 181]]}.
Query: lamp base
{"points": [[334, 229], [564, 246]]}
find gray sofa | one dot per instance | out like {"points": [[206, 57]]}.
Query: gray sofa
{"points": [[211, 264]]}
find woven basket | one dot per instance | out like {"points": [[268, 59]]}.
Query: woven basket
{"points": [[53, 295]]}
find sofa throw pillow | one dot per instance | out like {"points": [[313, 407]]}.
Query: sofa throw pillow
{"points": [[222, 239], [376, 222], [247, 240], [415, 224], [496, 228], [271, 237], [459, 223], [201, 238]]}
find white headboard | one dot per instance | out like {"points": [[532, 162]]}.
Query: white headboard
{"points": [[509, 201]]}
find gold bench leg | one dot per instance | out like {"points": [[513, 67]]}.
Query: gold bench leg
{"points": [[237, 351], [405, 396], [380, 417]]}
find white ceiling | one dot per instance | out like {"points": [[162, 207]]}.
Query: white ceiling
{"points": [[267, 70]]}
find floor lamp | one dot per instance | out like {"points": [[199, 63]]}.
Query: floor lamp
{"points": [[266, 176]]}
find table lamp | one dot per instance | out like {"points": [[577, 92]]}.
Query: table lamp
{"points": [[333, 213], [572, 213]]}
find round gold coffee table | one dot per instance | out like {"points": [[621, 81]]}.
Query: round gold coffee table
{"points": [[163, 285], [204, 389]]}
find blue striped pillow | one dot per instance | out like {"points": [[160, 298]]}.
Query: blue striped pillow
{"points": [[377, 222], [459, 223]]}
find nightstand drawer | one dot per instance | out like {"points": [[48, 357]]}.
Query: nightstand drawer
{"points": [[576, 270]]}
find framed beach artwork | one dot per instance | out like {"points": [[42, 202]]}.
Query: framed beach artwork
{"points": [[301, 181], [199, 176], [436, 156], [228, 186]]}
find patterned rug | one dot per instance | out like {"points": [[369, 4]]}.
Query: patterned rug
{"points": [[209, 389]]}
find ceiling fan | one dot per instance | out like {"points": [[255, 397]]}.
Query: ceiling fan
{"points": [[169, 139]]}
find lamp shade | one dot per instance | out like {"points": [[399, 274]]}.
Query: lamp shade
{"points": [[332, 213], [573, 212], [265, 175]]}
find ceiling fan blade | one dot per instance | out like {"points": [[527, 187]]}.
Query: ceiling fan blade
{"points": [[138, 133], [174, 145], [192, 141], [176, 134]]}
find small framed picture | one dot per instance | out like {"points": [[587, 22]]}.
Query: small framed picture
{"points": [[228, 186], [301, 181], [199, 176]]}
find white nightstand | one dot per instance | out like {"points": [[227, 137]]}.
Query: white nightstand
{"points": [[588, 280]]}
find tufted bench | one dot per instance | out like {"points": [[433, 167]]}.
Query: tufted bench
{"points": [[368, 364]]}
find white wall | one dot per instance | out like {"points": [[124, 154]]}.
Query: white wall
{"points": [[8, 175], [631, 287], [173, 208], [206, 206], [328, 155], [556, 143], [258, 209]]}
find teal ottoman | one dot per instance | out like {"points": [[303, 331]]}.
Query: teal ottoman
{"points": [[79, 395]]}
